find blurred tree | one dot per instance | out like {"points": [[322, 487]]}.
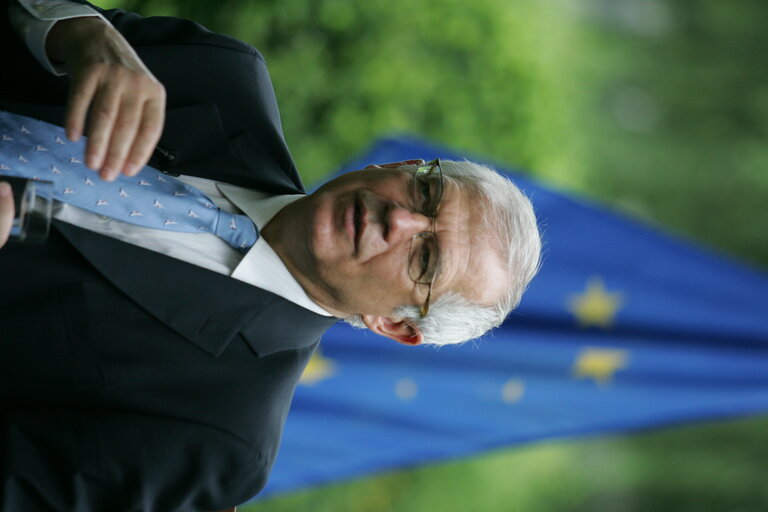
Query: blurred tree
{"points": [[682, 117]]}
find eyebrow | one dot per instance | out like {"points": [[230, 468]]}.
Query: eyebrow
{"points": [[442, 259]]}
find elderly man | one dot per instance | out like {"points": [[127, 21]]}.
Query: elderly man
{"points": [[145, 369]]}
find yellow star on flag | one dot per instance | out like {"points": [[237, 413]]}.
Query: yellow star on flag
{"points": [[599, 363], [596, 305], [513, 391], [319, 368], [406, 389]]}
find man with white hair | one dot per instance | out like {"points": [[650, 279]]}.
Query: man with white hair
{"points": [[145, 369]]}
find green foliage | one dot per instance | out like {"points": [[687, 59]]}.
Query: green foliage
{"points": [[701, 468], [682, 121]]}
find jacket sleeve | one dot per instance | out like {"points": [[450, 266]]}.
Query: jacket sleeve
{"points": [[64, 461], [32, 20], [26, 80]]}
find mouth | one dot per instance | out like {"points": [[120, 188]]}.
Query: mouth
{"points": [[354, 222]]}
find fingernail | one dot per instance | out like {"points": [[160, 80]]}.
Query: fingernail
{"points": [[131, 169], [5, 189], [108, 173]]}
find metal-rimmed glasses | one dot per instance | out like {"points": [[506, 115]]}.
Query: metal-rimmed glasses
{"points": [[424, 253]]}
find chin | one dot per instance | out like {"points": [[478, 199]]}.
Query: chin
{"points": [[322, 236]]}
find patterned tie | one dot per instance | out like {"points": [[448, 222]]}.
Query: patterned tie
{"points": [[38, 150]]}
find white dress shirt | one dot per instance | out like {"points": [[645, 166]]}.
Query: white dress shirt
{"points": [[260, 266]]}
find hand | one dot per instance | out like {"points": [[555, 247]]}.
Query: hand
{"points": [[126, 102], [6, 212]]}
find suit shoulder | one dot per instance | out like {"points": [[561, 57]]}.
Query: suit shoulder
{"points": [[186, 32], [166, 30]]}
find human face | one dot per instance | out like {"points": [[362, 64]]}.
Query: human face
{"points": [[348, 243]]}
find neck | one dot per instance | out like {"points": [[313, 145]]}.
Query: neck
{"points": [[282, 233]]}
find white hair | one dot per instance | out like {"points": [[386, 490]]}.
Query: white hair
{"points": [[509, 219]]}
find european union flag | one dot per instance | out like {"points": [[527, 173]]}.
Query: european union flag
{"points": [[624, 328]]}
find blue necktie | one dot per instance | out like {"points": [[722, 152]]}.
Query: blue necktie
{"points": [[34, 149]]}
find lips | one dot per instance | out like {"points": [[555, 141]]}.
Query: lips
{"points": [[352, 222]]}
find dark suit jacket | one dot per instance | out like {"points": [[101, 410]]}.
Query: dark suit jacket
{"points": [[129, 380]]}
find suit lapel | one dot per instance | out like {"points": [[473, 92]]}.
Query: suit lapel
{"points": [[281, 325], [53, 114], [204, 307], [269, 166]]}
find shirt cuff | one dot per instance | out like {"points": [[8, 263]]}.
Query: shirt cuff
{"points": [[33, 19]]}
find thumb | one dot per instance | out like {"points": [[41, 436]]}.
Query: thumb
{"points": [[6, 212]]}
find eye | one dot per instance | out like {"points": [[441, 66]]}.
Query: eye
{"points": [[425, 190], [426, 193], [423, 259], [421, 193], [426, 254]]}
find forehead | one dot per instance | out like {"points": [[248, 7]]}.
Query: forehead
{"points": [[471, 264]]}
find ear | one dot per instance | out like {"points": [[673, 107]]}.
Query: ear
{"points": [[400, 330], [396, 165]]}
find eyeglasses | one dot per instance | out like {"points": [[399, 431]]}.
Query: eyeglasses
{"points": [[424, 253]]}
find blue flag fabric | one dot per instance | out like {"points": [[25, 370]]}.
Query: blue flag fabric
{"points": [[623, 328]]}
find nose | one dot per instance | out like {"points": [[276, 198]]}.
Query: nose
{"points": [[404, 223]]}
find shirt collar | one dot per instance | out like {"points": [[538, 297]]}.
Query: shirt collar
{"points": [[261, 266]]}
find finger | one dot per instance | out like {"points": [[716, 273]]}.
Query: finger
{"points": [[6, 212], [81, 93], [146, 139], [124, 131], [102, 118]]}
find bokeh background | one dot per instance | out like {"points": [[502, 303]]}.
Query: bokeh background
{"points": [[657, 108]]}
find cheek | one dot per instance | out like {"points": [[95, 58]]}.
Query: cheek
{"points": [[377, 286], [387, 282]]}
